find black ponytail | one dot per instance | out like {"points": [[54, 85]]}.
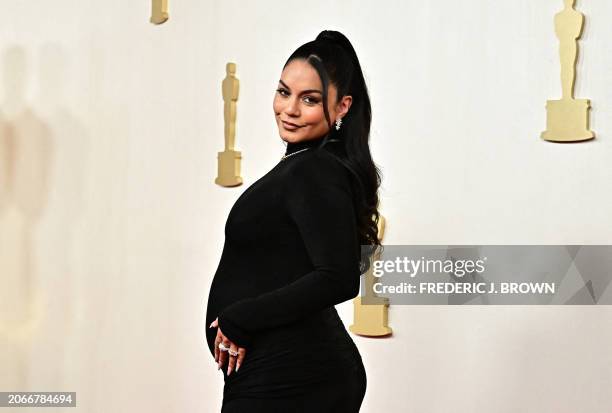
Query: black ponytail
{"points": [[335, 60]]}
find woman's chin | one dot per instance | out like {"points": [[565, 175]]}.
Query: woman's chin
{"points": [[288, 136]]}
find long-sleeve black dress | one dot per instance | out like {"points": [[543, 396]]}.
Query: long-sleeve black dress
{"points": [[291, 253]]}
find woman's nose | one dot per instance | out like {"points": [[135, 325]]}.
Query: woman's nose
{"points": [[292, 107]]}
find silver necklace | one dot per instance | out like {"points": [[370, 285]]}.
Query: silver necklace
{"points": [[293, 153]]}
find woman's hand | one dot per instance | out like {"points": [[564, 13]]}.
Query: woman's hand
{"points": [[236, 354]]}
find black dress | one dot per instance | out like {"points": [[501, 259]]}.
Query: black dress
{"points": [[291, 253]]}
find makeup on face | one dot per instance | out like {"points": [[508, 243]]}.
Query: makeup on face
{"points": [[298, 103]]}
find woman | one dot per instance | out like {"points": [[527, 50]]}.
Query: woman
{"points": [[292, 246]]}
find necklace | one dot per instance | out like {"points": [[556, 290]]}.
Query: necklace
{"points": [[291, 154]]}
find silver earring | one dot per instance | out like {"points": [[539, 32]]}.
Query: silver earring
{"points": [[338, 123]]}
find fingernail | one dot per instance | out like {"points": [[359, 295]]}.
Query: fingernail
{"points": [[237, 367], [229, 370], [210, 326]]}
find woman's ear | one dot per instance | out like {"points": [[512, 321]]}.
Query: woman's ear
{"points": [[344, 106]]}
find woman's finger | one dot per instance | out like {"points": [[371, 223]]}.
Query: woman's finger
{"points": [[215, 323], [241, 354], [217, 351], [232, 354], [216, 347], [223, 355]]}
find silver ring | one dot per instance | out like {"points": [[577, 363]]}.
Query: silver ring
{"points": [[233, 353], [222, 347]]}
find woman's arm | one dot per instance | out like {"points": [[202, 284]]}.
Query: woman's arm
{"points": [[319, 201]]}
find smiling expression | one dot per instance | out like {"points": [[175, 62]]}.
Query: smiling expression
{"points": [[298, 103]]}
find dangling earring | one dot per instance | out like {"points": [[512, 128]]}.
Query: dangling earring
{"points": [[338, 123]]}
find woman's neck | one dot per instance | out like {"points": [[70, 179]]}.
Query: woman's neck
{"points": [[299, 145], [307, 143]]}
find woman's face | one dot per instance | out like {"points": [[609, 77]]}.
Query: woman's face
{"points": [[298, 103]]}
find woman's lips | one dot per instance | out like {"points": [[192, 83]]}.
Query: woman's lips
{"points": [[290, 126]]}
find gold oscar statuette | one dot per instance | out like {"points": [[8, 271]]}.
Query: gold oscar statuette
{"points": [[229, 160], [568, 119], [371, 315], [159, 11]]}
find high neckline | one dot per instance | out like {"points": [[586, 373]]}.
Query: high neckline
{"points": [[293, 147]]}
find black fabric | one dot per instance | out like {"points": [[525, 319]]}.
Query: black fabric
{"points": [[291, 253], [342, 396]]}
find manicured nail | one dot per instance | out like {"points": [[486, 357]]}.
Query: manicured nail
{"points": [[237, 367], [229, 370], [210, 326]]}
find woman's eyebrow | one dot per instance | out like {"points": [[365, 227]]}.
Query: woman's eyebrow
{"points": [[304, 91]]}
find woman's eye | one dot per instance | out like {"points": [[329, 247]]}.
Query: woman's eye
{"points": [[308, 99], [311, 100]]}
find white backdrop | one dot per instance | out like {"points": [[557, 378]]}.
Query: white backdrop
{"points": [[112, 234]]}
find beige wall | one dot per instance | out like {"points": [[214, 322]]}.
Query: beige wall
{"points": [[113, 227]]}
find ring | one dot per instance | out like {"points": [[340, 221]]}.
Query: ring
{"points": [[233, 353], [222, 347]]}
